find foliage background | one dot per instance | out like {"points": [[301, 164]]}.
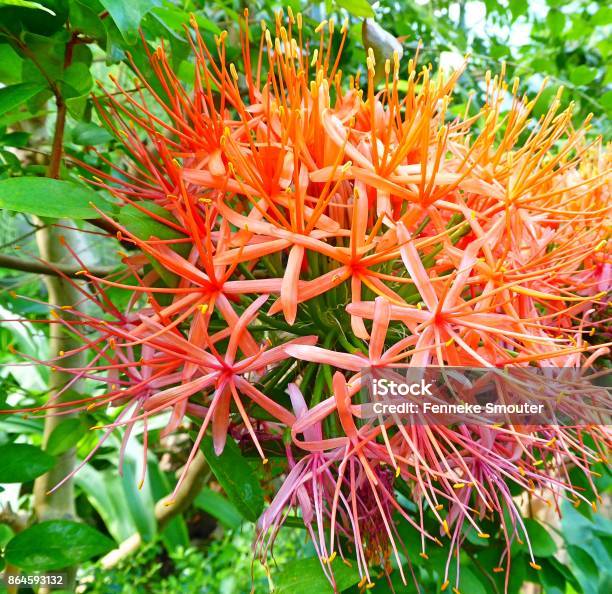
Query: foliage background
{"points": [[51, 62]]}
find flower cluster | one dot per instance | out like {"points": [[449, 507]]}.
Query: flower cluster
{"points": [[295, 227]]}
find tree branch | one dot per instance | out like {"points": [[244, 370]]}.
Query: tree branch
{"points": [[14, 263]]}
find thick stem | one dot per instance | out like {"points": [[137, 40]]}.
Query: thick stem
{"points": [[59, 503]]}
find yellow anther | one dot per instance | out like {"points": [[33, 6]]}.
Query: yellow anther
{"points": [[203, 307], [498, 569], [320, 26], [332, 557], [445, 527], [535, 565], [458, 486], [424, 555], [444, 586], [397, 472], [483, 535]]}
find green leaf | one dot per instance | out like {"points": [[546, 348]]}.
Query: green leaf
{"points": [[174, 19], [21, 462], [89, 134], [52, 198], [583, 75], [14, 95], [138, 497], [175, 533], [56, 544], [143, 225], [606, 100], [542, 543], [219, 507], [305, 576], [104, 492], [127, 15], [237, 478], [65, 436], [358, 8], [602, 17], [555, 20], [77, 80], [27, 4], [10, 65], [585, 569]]}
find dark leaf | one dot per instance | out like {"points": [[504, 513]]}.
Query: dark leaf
{"points": [[50, 198], [237, 478], [56, 544], [21, 462]]}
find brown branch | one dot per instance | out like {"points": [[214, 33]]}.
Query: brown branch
{"points": [[34, 267]]}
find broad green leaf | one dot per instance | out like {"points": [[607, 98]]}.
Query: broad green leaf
{"points": [[138, 497], [21, 462], [551, 578], [555, 20], [603, 16], [305, 576], [583, 75], [89, 134], [5, 535], [26, 4], [52, 198], [14, 95], [606, 100], [586, 570], [143, 225], [175, 533], [542, 543], [10, 65], [219, 507], [175, 19], [104, 492], [236, 477], [358, 8], [56, 544], [127, 15], [470, 580], [65, 436], [77, 80]]}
